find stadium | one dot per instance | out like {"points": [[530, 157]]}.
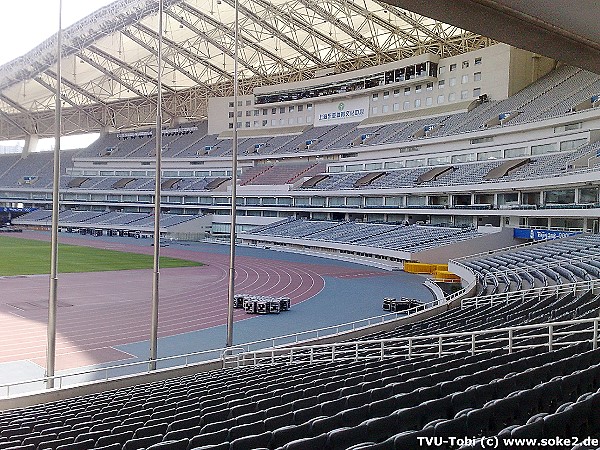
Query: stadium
{"points": [[409, 191]]}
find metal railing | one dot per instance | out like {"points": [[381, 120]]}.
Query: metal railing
{"points": [[549, 336], [119, 370], [531, 294], [334, 330], [558, 261]]}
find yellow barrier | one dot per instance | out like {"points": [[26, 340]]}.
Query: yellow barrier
{"points": [[415, 267], [439, 271], [444, 275]]}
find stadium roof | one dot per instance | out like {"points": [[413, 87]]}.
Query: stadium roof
{"points": [[109, 65], [561, 29]]}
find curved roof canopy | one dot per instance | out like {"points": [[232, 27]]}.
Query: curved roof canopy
{"points": [[109, 62]]}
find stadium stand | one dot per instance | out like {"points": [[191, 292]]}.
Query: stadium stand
{"points": [[369, 402], [395, 237]]}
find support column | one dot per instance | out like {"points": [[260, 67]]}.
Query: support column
{"points": [[31, 142]]}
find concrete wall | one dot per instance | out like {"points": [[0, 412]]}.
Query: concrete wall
{"points": [[503, 238], [100, 386], [525, 68]]}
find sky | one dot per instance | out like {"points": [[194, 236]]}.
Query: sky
{"points": [[22, 31]]}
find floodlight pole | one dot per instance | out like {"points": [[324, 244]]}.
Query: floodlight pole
{"points": [[157, 194], [52, 300], [234, 161]]}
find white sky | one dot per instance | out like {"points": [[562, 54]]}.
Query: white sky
{"points": [[26, 23]]}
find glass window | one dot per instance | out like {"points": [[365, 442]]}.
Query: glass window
{"points": [[464, 79], [429, 101], [417, 102], [476, 92], [442, 69], [451, 97], [406, 91], [572, 145], [477, 76], [543, 148], [406, 105], [465, 64], [494, 154], [396, 107], [430, 86], [515, 152], [300, 108], [417, 88], [386, 94], [477, 61], [452, 67], [441, 99], [452, 81], [464, 95], [375, 97]]}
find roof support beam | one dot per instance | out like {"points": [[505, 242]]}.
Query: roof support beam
{"points": [[282, 36], [69, 101], [127, 67], [298, 22], [243, 40], [185, 52], [341, 25]]}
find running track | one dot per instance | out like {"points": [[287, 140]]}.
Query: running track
{"points": [[98, 311]]}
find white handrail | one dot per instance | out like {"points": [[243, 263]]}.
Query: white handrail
{"points": [[531, 293], [222, 352], [547, 335], [335, 330]]}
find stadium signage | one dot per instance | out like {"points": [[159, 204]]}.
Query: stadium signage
{"points": [[342, 113], [7, 209], [349, 110], [542, 235]]}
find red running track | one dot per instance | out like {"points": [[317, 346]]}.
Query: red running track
{"points": [[100, 310]]}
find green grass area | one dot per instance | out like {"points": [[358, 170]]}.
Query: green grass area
{"points": [[29, 257]]}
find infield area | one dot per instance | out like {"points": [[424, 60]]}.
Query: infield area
{"points": [[31, 257], [104, 316]]}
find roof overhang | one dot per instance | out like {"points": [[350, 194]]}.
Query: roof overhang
{"points": [[561, 29]]}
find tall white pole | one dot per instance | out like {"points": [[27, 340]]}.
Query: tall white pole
{"points": [[52, 300], [157, 193], [234, 158]]}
